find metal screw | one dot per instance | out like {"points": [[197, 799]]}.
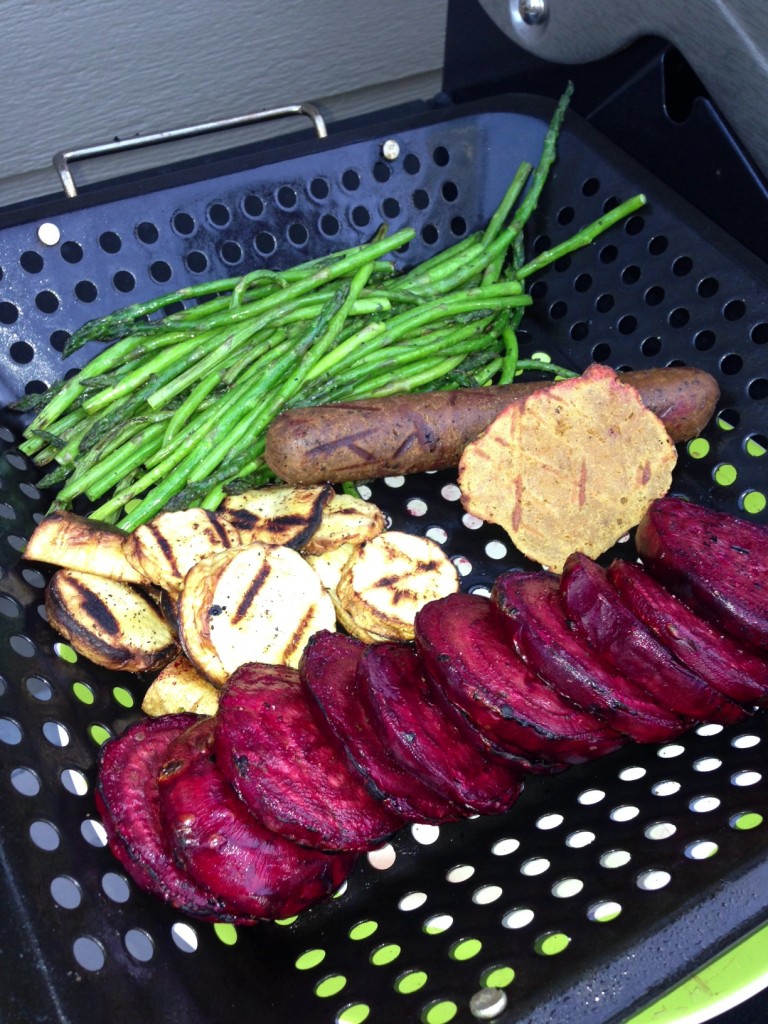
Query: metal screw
{"points": [[533, 12], [488, 1003], [390, 150]]}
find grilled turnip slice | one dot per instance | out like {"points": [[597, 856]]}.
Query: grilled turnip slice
{"points": [[167, 547], [717, 563], [278, 515], [180, 687], [70, 541], [726, 664], [229, 850], [534, 620], [601, 618], [113, 624], [255, 603], [383, 586], [128, 802], [328, 673], [467, 656], [292, 772], [329, 565], [346, 519], [425, 739]]}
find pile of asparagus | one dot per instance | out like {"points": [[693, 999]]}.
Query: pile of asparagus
{"points": [[174, 412]]}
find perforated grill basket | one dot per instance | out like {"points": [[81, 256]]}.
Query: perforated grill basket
{"points": [[605, 884]]}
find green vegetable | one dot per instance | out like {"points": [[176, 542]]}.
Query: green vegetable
{"points": [[175, 409]]}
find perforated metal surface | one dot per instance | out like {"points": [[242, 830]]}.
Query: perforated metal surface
{"points": [[647, 862]]}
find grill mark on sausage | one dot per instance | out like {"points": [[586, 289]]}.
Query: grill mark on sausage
{"points": [[249, 596], [93, 606]]}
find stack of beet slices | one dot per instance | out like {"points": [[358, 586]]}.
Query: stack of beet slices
{"points": [[262, 810]]}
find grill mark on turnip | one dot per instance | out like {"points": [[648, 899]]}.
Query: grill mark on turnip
{"points": [[299, 633], [166, 547], [218, 528], [93, 605], [257, 583]]}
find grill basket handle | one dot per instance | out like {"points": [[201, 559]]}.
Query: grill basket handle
{"points": [[63, 159]]}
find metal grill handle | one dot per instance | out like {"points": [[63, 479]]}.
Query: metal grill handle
{"points": [[63, 159]]}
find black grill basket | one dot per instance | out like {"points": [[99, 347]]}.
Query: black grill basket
{"points": [[604, 885]]}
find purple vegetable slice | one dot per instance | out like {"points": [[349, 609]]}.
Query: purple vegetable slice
{"points": [[536, 623], [291, 771], [732, 668], [226, 848], [426, 740], [128, 801], [602, 619], [715, 562], [328, 673]]}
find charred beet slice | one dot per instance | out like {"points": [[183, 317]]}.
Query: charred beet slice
{"points": [[715, 562], [328, 672], [726, 664], [426, 740], [128, 801], [467, 655], [535, 621], [289, 770], [602, 619], [226, 848]]}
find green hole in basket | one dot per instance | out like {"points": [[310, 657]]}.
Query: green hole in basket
{"points": [[330, 986], [287, 920], [465, 949], [542, 357], [725, 474], [83, 692], [753, 447], [354, 1014], [310, 959], [412, 981], [226, 933], [723, 423], [123, 697], [363, 930], [440, 1013], [99, 733], [498, 977], [551, 944], [385, 954], [698, 448], [437, 924], [753, 502], [65, 652], [746, 820], [603, 912]]}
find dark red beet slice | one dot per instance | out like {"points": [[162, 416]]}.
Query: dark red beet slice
{"points": [[715, 562], [228, 849], [599, 615], [730, 667], [466, 653], [289, 770], [128, 802], [328, 673], [536, 623], [425, 739]]}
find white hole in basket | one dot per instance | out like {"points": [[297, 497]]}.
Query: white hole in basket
{"points": [[185, 936], [667, 787], [89, 953], [746, 778], [520, 917], [74, 782], [425, 834], [93, 832], [450, 492], [702, 849], [495, 549], [503, 847], [534, 866], [632, 774], [486, 894], [10, 732], [25, 781], [460, 873], [671, 750], [44, 835], [480, 591], [416, 507], [709, 729], [463, 565], [745, 741], [615, 858], [139, 944], [412, 901], [660, 830], [437, 534], [653, 879], [707, 764], [382, 858], [548, 821], [66, 892], [624, 813], [605, 910], [591, 796], [471, 522], [567, 887], [364, 491], [394, 481], [704, 804], [116, 887], [437, 924], [56, 734], [577, 840], [48, 233]]}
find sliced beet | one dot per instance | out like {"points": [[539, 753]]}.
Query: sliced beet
{"points": [[715, 562], [128, 802], [726, 664], [328, 673], [289, 770], [601, 618], [468, 656], [226, 848], [425, 739], [536, 623]]}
